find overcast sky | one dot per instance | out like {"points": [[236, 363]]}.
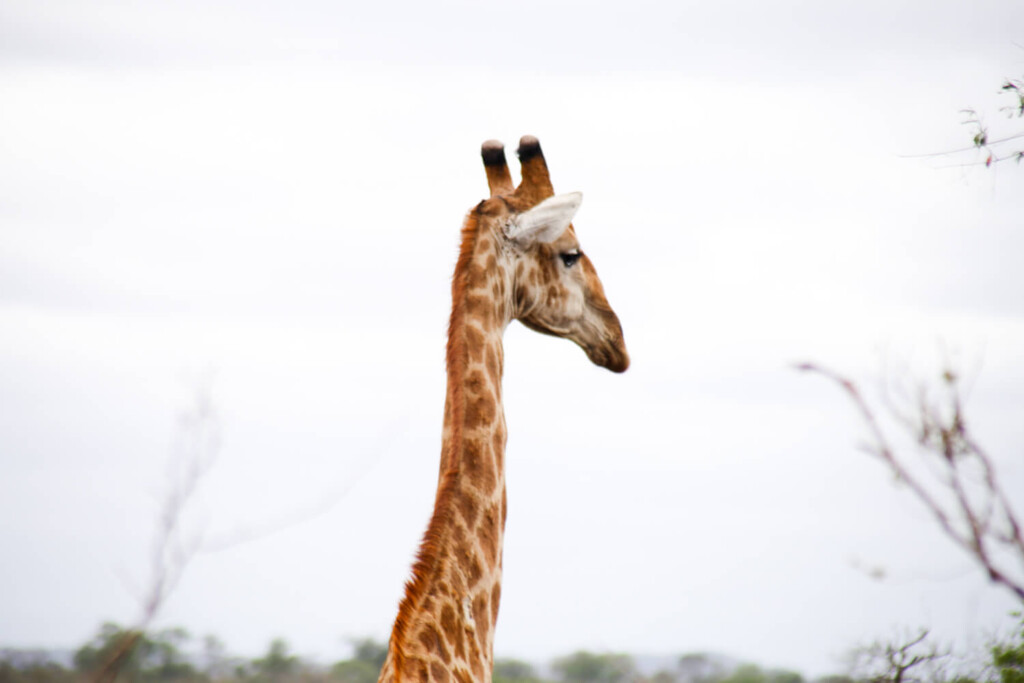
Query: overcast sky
{"points": [[267, 197]]}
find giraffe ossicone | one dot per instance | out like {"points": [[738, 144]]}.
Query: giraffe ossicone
{"points": [[519, 259]]}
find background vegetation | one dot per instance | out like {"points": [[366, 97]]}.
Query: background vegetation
{"points": [[174, 655]]}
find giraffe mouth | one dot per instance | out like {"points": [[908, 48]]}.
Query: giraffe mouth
{"points": [[610, 351], [613, 357]]}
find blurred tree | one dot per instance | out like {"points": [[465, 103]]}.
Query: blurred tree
{"points": [[34, 672], [663, 676], [746, 673], [165, 660], [112, 643], [587, 667], [139, 657], [752, 673], [370, 651], [700, 667], [368, 657], [355, 671], [784, 676], [909, 659], [215, 661], [277, 663], [514, 671], [1008, 657]]}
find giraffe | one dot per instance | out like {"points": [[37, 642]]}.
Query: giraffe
{"points": [[519, 259]]}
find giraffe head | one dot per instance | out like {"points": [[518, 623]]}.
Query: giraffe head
{"points": [[554, 286]]}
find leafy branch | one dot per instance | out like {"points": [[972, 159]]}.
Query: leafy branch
{"points": [[994, 152]]}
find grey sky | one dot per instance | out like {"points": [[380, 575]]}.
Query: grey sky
{"points": [[276, 194], [739, 37]]}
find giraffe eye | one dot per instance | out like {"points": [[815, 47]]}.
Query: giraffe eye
{"points": [[569, 258]]}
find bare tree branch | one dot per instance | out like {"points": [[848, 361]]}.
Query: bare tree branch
{"points": [[195, 449], [974, 512], [908, 659]]}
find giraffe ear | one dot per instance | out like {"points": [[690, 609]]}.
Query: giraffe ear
{"points": [[545, 222]]}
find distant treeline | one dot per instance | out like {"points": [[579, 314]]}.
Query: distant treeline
{"points": [[173, 656]]}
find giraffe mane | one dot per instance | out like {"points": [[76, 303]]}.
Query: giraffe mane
{"points": [[427, 556]]}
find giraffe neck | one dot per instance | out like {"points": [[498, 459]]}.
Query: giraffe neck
{"points": [[445, 626]]}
